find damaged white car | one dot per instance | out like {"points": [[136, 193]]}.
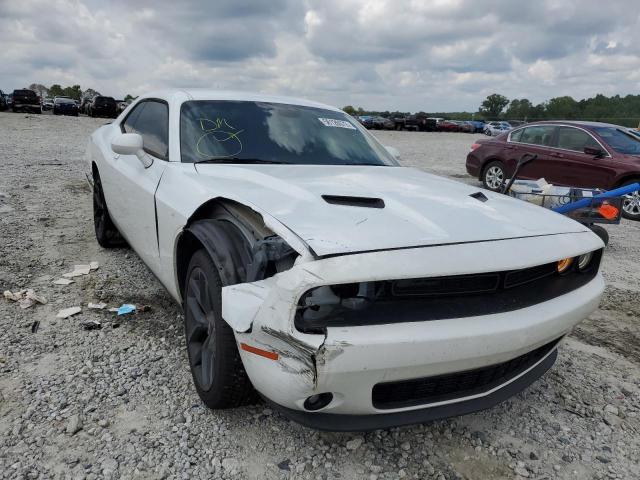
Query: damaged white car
{"points": [[350, 292]]}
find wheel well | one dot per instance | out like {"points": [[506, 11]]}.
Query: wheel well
{"points": [[624, 180], [188, 244], [267, 253]]}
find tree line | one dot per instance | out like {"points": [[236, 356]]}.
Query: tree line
{"points": [[621, 110], [74, 91]]}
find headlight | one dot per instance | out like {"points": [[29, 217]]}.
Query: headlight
{"points": [[584, 261]]}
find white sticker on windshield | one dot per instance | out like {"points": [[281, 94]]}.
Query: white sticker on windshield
{"points": [[332, 122]]}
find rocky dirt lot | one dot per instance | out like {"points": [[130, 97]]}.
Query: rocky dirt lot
{"points": [[118, 402]]}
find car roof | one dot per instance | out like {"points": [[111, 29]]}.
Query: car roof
{"points": [[211, 94], [577, 123]]}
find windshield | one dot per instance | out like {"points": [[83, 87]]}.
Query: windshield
{"points": [[257, 132], [619, 140]]}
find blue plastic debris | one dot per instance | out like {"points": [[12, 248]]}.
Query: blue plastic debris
{"points": [[126, 308]]}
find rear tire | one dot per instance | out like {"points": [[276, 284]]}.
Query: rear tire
{"points": [[631, 202], [494, 176], [107, 234], [216, 367]]}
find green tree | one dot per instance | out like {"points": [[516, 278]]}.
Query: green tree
{"points": [[493, 105], [129, 97], [73, 92], [349, 109], [55, 90], [561, 108], [519, 109]]}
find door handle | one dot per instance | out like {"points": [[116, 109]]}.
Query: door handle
{"points": [[557, 155]]}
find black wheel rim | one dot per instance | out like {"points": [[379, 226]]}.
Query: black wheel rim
{"points": [[99, 208], [199, 319]]}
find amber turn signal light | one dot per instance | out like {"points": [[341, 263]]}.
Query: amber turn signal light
{"points": [[564, 264]]}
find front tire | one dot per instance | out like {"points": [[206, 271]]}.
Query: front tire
{"points": [[631, 202], [107, 234], [217, 370], [601, 232], [493, 176]]}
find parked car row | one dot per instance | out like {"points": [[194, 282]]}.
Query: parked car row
{"points": [[575, 154], [25, 100], [376, 123], [434, 124]]}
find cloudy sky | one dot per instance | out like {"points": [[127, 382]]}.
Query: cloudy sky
{"points": [[431, 55]]}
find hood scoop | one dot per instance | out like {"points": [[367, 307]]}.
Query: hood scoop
{"points": [[363, 202], [479, 196]]}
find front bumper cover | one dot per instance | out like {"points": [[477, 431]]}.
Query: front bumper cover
{"points": [[350, 361], [359, 423]]}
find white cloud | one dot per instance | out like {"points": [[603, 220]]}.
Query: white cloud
{"points": [[435, 55]]}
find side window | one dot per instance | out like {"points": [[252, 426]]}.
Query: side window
{"points": [[575, 139], [127, 126], [152, 123], [537, 135], [515, 136]]}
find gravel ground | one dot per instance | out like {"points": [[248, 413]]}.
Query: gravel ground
{"points": [[119, 403]]}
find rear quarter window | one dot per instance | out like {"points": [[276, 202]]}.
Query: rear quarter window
{"points": [[538, 135]]}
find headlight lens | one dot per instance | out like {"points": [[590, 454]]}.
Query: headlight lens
{"points": [[584, 261]]}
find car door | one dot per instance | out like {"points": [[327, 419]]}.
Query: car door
{"points": [[132, 186], [576, 168], [535, 140]]}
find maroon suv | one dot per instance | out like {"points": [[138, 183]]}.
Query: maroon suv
{"points": [[576, 154]]}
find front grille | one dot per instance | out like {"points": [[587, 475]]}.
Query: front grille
{"points": [[441, 298], [423, 391], [455, 285]]}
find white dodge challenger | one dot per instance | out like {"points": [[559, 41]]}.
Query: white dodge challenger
{"points": [[352, 293]]}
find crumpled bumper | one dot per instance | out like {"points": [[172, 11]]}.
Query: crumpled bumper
{"points": [[350, 361]]}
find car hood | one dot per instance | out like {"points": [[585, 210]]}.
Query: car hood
{"points": [[420, 209]]}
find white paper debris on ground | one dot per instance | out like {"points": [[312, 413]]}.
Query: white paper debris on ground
{"points": [[96, 306], [25, 298], [63, 281], [72, 274], [14, 297], [78, 270], [68, 312], [93, 266], [114, 309]]}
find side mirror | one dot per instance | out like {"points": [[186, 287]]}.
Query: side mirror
{"points": [[131, 144], [595, 151], [127, 144], [395, 153]]}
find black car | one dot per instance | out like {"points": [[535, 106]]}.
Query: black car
{"points": [[418, 123], [103, 107], [26, 100], [3, 101], [65, 106]]}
